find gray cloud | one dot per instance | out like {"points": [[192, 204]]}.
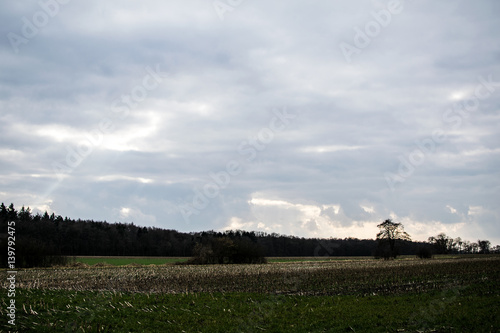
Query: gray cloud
{"points": [[323, 174]]}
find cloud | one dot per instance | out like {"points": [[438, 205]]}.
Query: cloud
{"points": [[78, 86]]}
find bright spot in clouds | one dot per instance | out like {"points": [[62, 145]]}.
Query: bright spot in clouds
{"points": [[124, 212]]}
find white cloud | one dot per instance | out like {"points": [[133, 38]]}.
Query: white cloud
{"points": [[110, 178], [124, 212], [368, 209], [11, 154], [236, 223], [134, 214], [307, 220], [452, 210], [329, 149], [475, 210], [423, 230], [43, 207]]}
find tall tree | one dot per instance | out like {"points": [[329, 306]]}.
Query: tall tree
{"points": [[390, 232], [484, 246], [458, 244], [442, 243], [11, 213]]}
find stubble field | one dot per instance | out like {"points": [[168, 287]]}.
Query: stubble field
{"points": [[361, 295]]}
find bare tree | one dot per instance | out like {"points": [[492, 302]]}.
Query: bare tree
{"points": [[442, 243], [484, 246], [389, 233], [475, 247], [459, 243], [467, 246]]}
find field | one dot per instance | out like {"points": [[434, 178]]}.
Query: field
{"points": [[349, 295], [122, 261]]}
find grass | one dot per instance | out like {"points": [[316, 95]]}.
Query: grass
{"points": [[122, 261], [440, 295], [440, 311], [325, 258]]}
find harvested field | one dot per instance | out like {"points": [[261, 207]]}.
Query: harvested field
{"points": [[349, 295], [308, 278]]}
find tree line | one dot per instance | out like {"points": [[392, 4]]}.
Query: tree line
{"points": [[42, 236], [444, 244], [391, 235]]}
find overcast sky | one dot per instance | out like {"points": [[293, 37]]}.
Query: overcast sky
{"points": [[307, 118]]}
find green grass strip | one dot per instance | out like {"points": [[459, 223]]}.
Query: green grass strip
{"points": [[122, 261], [452, 310]]}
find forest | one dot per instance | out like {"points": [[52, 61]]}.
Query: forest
{"points": [[39, 235]]}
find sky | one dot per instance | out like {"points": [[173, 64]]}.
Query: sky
{"points": [[312, 119]]}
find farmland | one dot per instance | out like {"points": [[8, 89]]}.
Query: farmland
{"points": [[122, 261], [350, 295]]}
